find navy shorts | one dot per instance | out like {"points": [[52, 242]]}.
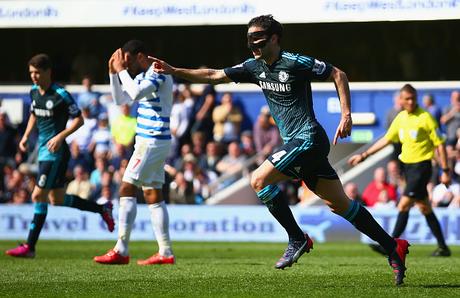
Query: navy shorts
{"points": [[417, 176], [305, 160], [51, 173]]}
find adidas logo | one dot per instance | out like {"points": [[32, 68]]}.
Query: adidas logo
{"points": [[297, 169], [262, 75]]}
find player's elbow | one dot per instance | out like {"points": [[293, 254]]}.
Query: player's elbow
{"points": [[338, 75]]}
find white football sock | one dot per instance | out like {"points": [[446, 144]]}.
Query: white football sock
{"points": [[126, 216], [160, 222]]}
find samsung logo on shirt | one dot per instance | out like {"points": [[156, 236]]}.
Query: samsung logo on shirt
{"points": [[278, 87], [43, 113]]}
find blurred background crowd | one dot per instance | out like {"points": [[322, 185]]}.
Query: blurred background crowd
{"points": [[210, 151]]}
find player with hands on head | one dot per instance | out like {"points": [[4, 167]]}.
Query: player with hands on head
{"points": [[139, 82]]}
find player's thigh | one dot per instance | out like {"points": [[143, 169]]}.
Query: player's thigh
{"points": [[146, 165], [51, 173], [56, 196], [266, 174]]}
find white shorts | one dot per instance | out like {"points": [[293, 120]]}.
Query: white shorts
{"points": [[146, 166]]}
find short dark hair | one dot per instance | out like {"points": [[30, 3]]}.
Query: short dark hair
{"points": [[409, 89], [134, 47], [41, 61], [269, 24]]}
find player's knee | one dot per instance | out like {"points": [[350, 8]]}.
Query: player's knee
{"points": [[257, 182], [404, 207], [425, 209], [38, 196], [127, 189]]}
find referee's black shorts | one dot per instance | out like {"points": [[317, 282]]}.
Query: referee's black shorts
{"points": [[417, 176]]}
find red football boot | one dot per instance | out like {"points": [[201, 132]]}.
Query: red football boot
{"points": [[21, 251], [112, 258], [397, 260], [158, 259]]}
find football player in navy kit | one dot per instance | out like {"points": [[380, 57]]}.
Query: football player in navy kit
{"points": [[285, 79], [50, 109]]}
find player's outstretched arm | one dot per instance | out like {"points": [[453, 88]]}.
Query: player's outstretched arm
{"points": [[209, 76], [343, 90]]}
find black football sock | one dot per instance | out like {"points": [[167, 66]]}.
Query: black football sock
{"points": [[401, 223], [435, 227], [79, 203], [366, 224], [273, 198], [40, 212]]}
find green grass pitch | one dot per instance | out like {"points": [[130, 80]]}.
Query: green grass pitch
{"points": [[209, 269]]}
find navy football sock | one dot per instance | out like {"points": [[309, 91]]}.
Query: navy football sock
{"points": [[366, 224], [401, 223], [79, 203], [273, 198], [435, 227], [40, 212]]}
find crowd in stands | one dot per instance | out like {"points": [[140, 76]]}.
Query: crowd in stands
{"points": [[210, 151]]}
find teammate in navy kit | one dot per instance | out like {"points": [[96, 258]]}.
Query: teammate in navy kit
{"points": [[50, 110], [285, 80]]}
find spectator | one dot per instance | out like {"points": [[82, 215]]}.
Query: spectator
{"points": [[203, 109], [390, 116], [20, 197], [181, 190], [231, 163], [444, 195], [84, 134], [247, 143], [181, 114], [96, 174], [266, 134], [118, 154], [102, 138], [8, 138], [451, 120], [395, 177], [80, 186], [179, 162], [379, 190], [208, 161], [352, 191], [227, 120], [77, 158], [106, 195], [430, 105], [90, 99], [198, 143], [124, 128]]}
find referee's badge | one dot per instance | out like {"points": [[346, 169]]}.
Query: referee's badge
{"points": [[413, 134], [283, 76]]}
